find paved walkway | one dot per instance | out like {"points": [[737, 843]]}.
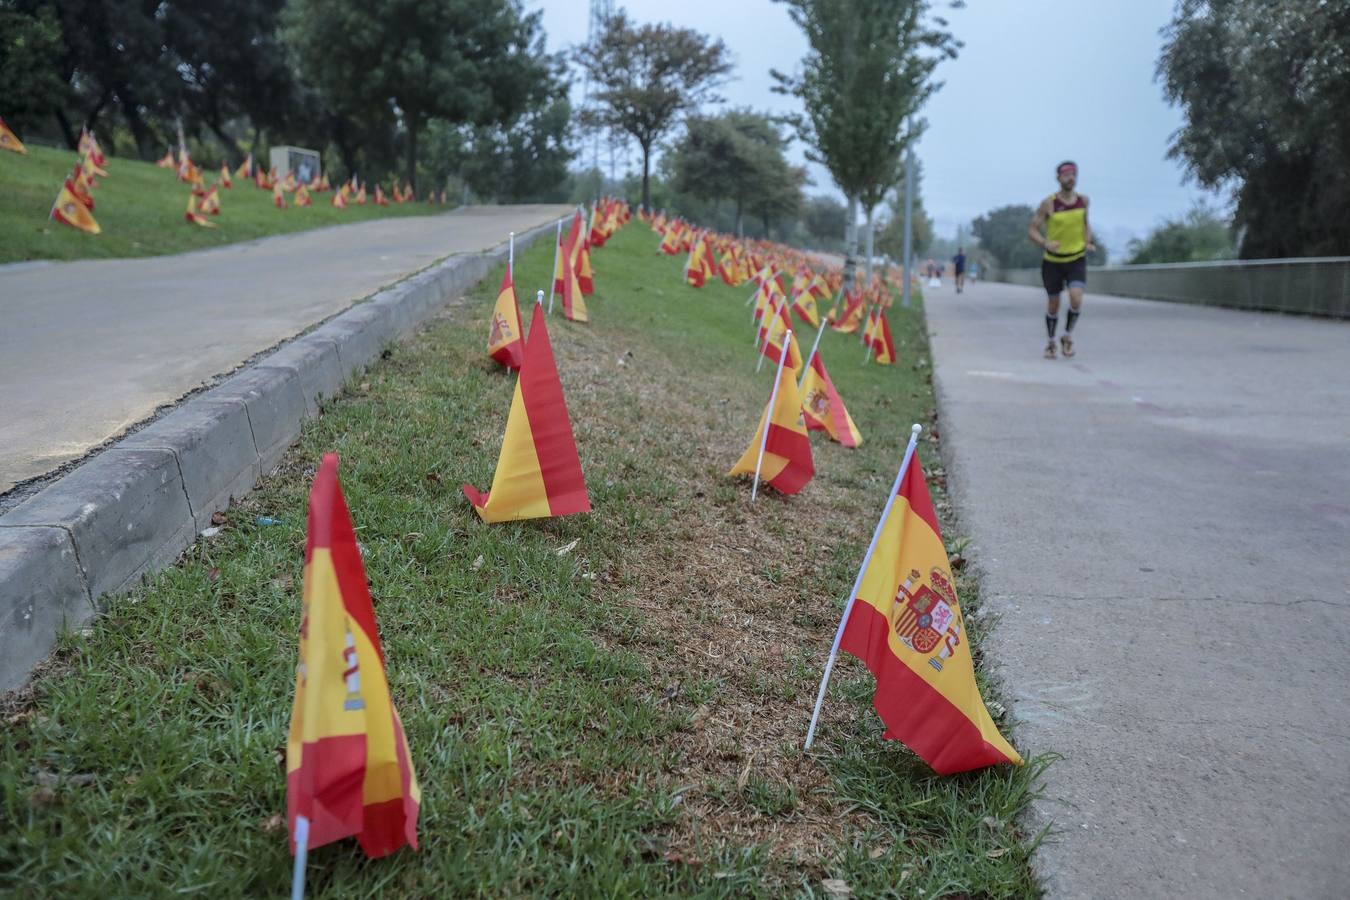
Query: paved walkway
{"points": [[1162, 524], [88, 349]]}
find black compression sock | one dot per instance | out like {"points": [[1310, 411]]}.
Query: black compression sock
{"points": [[1051, 323], [1070, 320]]}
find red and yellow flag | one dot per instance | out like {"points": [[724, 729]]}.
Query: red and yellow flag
{"points": [[278, 196], [361, 195], [585, 274], [878, 337], [70, 210], [852, 317], [211, 202], [573, 299], [538, 472], [822, 407], [506, 342], [78, 185], [193, 215], [787, 453], [166, 161], [906, 625], [348, 770], [302, 197], [245, 169], [771, 341], [380, 199], [340, 198], [804, 305]]}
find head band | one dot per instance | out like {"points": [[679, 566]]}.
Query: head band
{"points": [[1066, 167]]}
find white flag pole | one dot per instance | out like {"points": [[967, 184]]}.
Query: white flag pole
{"points": [[857, 583], [553, 276], [768, 416], [511, 257], [809, 359], [301, 849]]}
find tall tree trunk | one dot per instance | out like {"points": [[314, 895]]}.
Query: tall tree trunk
{"points": [[72, 139], [646, 174], [139, 131], [412, 152], [870, 246], [850, 244]]}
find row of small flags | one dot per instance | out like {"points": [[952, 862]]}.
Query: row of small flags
{"points": [[74, 203], [349, 769], [902, 617]]}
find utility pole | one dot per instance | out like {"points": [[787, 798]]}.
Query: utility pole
{"points": [[909, 222]]}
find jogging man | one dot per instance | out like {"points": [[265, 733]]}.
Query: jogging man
{"points": [[1067, 240], [959, 264]]}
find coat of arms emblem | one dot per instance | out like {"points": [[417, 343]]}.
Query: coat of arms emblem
{"points": [[925, 617]]}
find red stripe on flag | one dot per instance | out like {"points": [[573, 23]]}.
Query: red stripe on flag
{"points": [[913, 710], [333, 807], [796, 449], [550, 425], [915, 490], [330, 525]]}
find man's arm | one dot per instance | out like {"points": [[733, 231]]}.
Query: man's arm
{"points": [[1087, 228], [1037, 223]]}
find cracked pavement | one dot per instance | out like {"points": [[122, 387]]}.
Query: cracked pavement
{"points": [[1161, 525]]}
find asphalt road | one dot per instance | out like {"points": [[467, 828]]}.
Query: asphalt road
{"points": [[1162, 526], [88, 349]]}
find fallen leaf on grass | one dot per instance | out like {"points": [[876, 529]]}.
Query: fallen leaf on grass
{"points": [[992, 823], [274, 823], [219, 518], [836, 887], [568, 548], [676, 858], [433, 477], [877, 853], [995, 854], [477, 563]]}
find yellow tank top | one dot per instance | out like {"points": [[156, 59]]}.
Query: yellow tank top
{"points": [[1067, 223]]}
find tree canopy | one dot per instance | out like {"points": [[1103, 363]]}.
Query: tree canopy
{"points": [[738, 155], [1265, 88], [647, 77], [1202, 234]]}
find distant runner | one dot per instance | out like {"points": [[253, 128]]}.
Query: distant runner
{"points": [[959, 264], [1067, 241]]}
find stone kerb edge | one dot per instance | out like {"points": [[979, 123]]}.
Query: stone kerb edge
{"points": [[135, 507]]}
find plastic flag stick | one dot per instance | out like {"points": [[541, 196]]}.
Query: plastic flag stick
{"points": [[857, 583], [301, 849], [557, 248]]}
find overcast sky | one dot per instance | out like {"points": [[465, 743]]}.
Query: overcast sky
{"points": [[1037, 82]]}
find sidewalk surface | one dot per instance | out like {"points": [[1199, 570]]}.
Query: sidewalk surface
{"points": [[1162, 524], [89, 348]]}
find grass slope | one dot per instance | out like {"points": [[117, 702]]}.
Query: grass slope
{"points": [[623, 718], [140, 209]]}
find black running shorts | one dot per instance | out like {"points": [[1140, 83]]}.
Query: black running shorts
{"points": [[1055, 275]]}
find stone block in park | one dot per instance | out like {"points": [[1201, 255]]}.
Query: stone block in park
{"points": [[276, 408], [42, 593]]}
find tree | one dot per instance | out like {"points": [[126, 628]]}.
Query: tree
{"points": [[647, 77], [30, 45], [467, 61], [1201, 234], [1003, 232], [738, 156], [891, 240], [1265, 85], [865, 76], [824, 219]]}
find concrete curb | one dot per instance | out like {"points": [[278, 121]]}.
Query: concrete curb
{"points": [[133, 508]]}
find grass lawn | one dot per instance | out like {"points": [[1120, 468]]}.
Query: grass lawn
{"points": [[621, 718], [140, 209]]}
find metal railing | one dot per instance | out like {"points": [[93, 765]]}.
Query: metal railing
{"points": [[1315, 286]]}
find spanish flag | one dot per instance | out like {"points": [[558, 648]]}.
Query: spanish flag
{"points": [[906, 626], [804, 305], [379, 197], [573, 300], [538, 472], [569, 248], [771, 342], [348, 770], [506, 343], [670, 242], [78, 185], [787, 453], [193, 215], [340, 198], [166, 161], [852, 318], [278, 196], [70, 210], [822, 407], [878, 337], [361, 195], [585, 275], [302, 196], [245, 168], [211, 202]]}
